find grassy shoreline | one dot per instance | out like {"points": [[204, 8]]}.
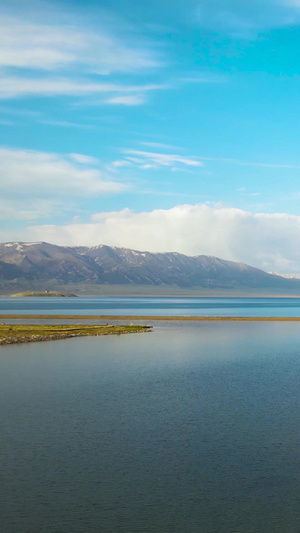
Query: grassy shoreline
{"points": [[152, 318], [21, 333], [44, 294]]}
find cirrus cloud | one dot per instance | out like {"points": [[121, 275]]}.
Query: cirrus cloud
{"points": [[61, 42], [14, 87], [55, 51], [37, 183], [159, 159]]}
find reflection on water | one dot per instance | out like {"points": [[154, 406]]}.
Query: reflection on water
{"points": [[189, 428]]}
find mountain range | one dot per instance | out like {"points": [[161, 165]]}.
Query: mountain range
{"points": [[42, 265]]}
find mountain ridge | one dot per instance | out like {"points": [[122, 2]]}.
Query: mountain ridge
{"points": [[28, 264]]}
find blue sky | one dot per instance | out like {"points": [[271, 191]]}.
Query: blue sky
{"points": [[165, 126]]}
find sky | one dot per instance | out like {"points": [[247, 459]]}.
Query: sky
{"points": [[159, 126]]}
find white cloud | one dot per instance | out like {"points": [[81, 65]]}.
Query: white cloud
{"points": [[62, 43], [64, 124], [263, 240], [159, 159], [85, 159], [148, 166], [161, 145], [30, 210], [50, 172], [45, 50], [121, 163], [47, 179], [204, 78], [126, 100], [14, 87]]}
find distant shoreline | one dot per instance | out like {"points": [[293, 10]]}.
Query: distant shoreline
{"points": [[155, 318], [180, 294], [43, 294], [250, 296]]}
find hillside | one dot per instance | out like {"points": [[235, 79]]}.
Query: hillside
{"points": [[47, 266]]}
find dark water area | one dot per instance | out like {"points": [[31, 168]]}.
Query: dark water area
{"points": [[143, 306], [185, 429]]}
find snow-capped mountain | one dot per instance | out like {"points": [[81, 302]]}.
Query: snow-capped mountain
{"points": [[41, 262]]}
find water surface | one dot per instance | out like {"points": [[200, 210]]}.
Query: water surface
{"points": [[153, 306], [189, 428]]}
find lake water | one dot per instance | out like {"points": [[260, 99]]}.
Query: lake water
{"points": [[153, 306], [190, 428]]}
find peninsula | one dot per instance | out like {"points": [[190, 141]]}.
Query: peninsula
{"points": [[49, 294], [15, 334]]}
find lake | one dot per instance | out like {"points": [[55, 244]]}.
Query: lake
{"points": [[193, 427], [153, 306]]}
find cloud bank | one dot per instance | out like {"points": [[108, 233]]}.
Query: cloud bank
{"points": [[263, 240]]}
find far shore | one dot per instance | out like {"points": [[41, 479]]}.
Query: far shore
{"points": [[193, 295], [154, 318], [111, 292]]}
